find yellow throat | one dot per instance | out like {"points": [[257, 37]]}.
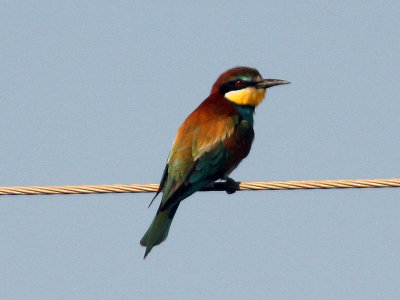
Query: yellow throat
{"points": [[249, 96]]}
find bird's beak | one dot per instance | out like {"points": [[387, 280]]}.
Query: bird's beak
{"points": [[266, 83]]}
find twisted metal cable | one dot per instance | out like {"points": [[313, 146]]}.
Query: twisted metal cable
{"points": [[216, 186]]}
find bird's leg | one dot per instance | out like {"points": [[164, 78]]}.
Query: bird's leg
{"points": [[231, 186]]}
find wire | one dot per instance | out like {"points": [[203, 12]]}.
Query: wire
{"points": [[216, 186]]}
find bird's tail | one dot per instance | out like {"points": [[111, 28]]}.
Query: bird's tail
{"points": [[158, 230]]}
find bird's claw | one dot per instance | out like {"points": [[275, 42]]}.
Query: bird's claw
{"points": [[231, 186]]}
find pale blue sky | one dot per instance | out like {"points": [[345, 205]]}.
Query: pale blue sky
{"points": [[93, 92]]}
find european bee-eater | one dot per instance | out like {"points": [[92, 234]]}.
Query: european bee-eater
{"points": [[210, 144]]}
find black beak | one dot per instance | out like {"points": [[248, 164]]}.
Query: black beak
{"points": [[266, 83]]}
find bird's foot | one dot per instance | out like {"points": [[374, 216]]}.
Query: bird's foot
{"points": [[231, 186]]}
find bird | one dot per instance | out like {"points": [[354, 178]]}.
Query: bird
{"points": [[209, 144]]}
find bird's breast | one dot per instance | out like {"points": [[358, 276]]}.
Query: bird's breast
{"points": [[238, 145]]}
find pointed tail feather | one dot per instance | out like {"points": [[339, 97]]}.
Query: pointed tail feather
{"points": [[159, 228]]}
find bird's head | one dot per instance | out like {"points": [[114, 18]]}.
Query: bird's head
{"points": [[244, 86]]}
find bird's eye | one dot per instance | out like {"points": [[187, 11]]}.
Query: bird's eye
{"points": [[240, 83]]}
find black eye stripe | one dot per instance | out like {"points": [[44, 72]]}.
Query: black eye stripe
{"points": [[233, 85]]}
